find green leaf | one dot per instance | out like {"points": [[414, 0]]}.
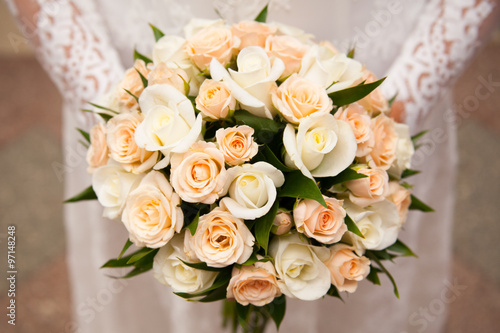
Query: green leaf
{"points": [[86, 135], [142, 57], [402, 248], [373, 257], [393, 98], [263, 226], [351, 53], [416, 204], [418, 136], [104, 116], [333, 291], [200, 265], [130, 93], [140, 254], [125, 248], [257, 123], [157, 32], [138, 270], [352, 227], [299, 186], [253, 259], [262, 17], [194, 224], [277, 310], [121, 262], [353, 94], [220, 281], [243, 312], [215, 295], [409, 172], [103, 108], [143, 79], [267, 155], [344, 176], [373, 275], [384, 255], [229, 314], [87, 194]]}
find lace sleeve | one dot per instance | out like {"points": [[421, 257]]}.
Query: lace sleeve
{"points": [[73, 47], [446, 36]]}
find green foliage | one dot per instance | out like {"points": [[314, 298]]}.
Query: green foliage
{"points": [[352, 227], [299, 186], [85, 135], [128, 243], [344, 176], [416, 204], [402, 249], [409, 172], [373, 257], [263, 226], [264, 128], [142, 57], [200, 265], [353, 94], [143, 79], [262, 17], [87, 194], [156, 32]]}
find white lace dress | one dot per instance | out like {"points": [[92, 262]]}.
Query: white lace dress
{"points": [[421, 45]]}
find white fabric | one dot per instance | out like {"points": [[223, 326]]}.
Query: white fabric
{"points": [[83, 44]]}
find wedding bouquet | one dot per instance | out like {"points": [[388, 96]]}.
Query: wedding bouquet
{"points": [[249, 163]]}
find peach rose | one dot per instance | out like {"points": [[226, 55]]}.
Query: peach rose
{"points": [[346, 267], [282, 223], [152, 214], [221, 239], [369, 190], [133, 83], [401, 197], [176, 77], [298, 98], [97, 155], [383, 153], [326, 225], [211, 42], [254, 284], [236, 143], [375, 102], [252, 33], [360, 121], [122, 146], [199, 175], [215, 100], [289, 49]]}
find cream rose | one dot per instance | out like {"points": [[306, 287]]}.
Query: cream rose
{"points": [[360, 122], [170, 271], [236, 143], [379, 224], [122, 146], [215, 100], [252, 189], [254, 284], [162, 74], [369, 190], [152, 213], [112, 185], [289, 49], [332, 71], [401, 197], [404, 150], [298, 98], [300, 267], [221, 239], [375, 102], [326, 225], [199, 175], [288, 30], [98, 153], [383, 153], [252, 83], [282, 223], [170, 124], [169, 50], [133, 83], [346, 267], [321, 147], [252, 33], [213, 42]]}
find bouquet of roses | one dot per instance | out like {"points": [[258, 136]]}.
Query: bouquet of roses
{"points": [[248, 162]]}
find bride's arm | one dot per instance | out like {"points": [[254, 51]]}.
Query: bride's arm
{"points": [[446, 37], [72, 45]]}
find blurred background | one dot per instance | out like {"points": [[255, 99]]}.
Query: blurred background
{"points": [[31, 194]]}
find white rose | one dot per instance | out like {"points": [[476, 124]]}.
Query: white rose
{"points": [[152, 214], [321, 147], [300, 267], [379, 224], [323, 66], [112, 185], [221, 239], [170, 51], [252, 189], [170, 124], [195, 25], [289, 30], [404, 150], [252, 84], [170, 271]]}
